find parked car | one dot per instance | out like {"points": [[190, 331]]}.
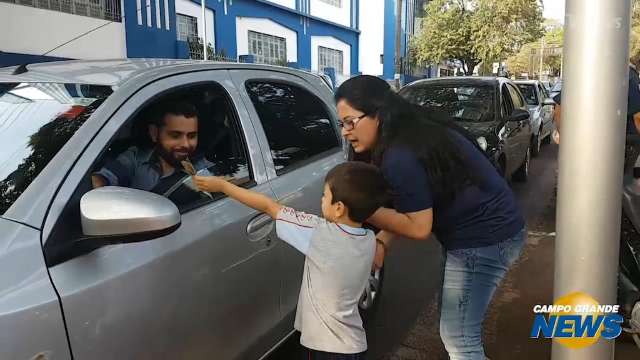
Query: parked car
{"points": [[555, 89], [541, 109], [490, 108], [119, 273], [546, 84]]}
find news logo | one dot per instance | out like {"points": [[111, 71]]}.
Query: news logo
{"points": [[576, 321]]}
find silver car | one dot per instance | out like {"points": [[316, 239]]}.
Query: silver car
{"points": [[120, 273], [540, 107]]}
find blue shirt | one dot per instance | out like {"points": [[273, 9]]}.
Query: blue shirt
{"points": [[482, 214], [139, 169]]}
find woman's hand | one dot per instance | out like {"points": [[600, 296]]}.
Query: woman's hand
{"points": [[378, 259], [209, 183]]}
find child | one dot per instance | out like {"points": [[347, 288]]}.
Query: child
{"points": [[339, 254]]}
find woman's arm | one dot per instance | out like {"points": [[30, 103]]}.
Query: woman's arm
{"points": [[415, 225]]}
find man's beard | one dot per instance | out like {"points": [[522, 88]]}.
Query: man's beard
{"points": [[170, 158]]}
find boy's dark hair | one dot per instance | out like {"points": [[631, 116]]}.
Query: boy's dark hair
{"points": [[182, 108], [360, 187]]}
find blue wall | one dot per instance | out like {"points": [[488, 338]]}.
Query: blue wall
{"points": [[144, 41], [390, 36], [225, 25]]}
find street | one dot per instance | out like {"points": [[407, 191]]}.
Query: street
{"points": [[406, 324]]}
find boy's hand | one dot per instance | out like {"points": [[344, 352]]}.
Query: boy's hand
{"points": [[209, 183]]}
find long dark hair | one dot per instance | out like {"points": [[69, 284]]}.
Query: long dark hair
{"points": [[428, 133]]}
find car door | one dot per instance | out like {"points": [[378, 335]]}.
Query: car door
{"points": [[296, 125], [547, 112], [208, 290], [523, 132], [510, 131]]}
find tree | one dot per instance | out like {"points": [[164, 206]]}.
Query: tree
{"points": [[472, 31], [634, 41], [522, 61]]}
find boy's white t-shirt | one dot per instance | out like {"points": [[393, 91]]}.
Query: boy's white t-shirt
{"points": [[336, 271]]}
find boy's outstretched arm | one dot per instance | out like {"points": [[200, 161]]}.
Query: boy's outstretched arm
{"points": [[249, 198]]}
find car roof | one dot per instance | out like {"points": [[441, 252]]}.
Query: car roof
{"points": [[466, 79], [116, 72], [530, 82]]}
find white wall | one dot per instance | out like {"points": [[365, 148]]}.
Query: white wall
{"points": [[188, 7], [265, 26], [339, 15], [33, 31], [332, 43], [291, 4], [371, 37]]}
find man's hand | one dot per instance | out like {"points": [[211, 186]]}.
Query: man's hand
{"points": [[209, 183], [378, 259]]}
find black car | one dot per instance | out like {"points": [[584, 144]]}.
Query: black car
{"points": [[490, 108]]}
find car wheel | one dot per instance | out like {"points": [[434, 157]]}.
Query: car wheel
{"points": [[371, 296], [536, 143], [523, 172]]}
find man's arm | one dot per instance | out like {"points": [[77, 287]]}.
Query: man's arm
{"points": [[116, 172], [98, 181], [249, 198]]}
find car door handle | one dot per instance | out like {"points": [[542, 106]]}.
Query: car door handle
{"points": [[260, 227]]}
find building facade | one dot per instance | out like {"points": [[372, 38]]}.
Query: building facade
{"points": [[350, 36]]}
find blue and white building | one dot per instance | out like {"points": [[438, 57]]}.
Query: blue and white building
{"points": [[351, 36]]}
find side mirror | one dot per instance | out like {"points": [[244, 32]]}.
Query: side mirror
{"points": [[548, 101], [114, 215], [519, 115]]}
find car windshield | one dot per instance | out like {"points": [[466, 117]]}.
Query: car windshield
{"points": [[529, 93], [36, 120], [463, 102]]}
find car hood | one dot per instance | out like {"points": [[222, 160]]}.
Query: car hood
{"points": [[479, 128]]}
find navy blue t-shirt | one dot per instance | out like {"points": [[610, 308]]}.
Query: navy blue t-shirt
{"points": [[482, 214], [633, 99]]}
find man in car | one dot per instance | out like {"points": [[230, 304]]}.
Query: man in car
{"points": [[174, 134]]}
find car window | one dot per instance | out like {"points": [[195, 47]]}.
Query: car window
{"points": [[463, 102], [516, 98], [506, 106], [197, 124], [36, 121], [297, 124], [529, 93], [543, 92]]}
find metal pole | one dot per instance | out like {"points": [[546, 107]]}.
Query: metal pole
{"points": [[591, 157], [398, 39], [204, 30]]}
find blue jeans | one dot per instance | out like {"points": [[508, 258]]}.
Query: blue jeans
{"points": [[471, 277]]}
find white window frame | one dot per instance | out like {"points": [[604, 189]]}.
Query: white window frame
{"points": [[180, 24], [336, 3], [268, 49], [332, 58]]}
